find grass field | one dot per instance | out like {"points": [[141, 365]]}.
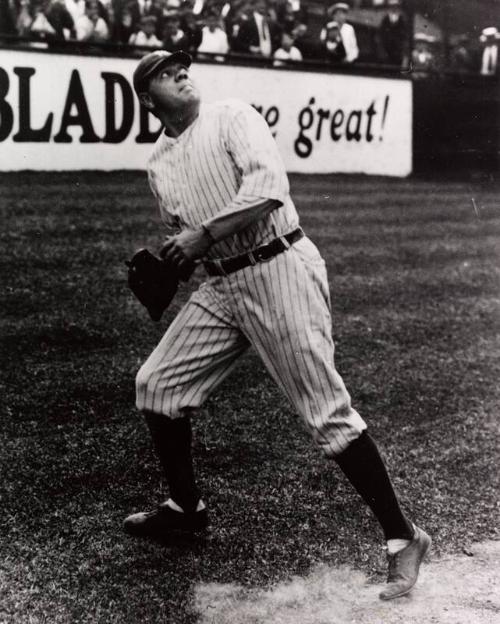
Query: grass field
{"points": [[415, 277]]}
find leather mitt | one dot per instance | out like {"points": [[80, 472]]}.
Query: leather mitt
{"points": [[153, 281]]}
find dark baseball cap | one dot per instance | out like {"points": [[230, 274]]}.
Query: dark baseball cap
{"points": [[151, 64]]}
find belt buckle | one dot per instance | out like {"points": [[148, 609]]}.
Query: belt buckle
{"points": [[259, 254], [252, 257]]}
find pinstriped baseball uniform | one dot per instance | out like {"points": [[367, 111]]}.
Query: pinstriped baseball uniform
{"points": [[226, 162]]}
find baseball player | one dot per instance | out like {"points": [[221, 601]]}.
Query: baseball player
{"points": [[222, 187]]}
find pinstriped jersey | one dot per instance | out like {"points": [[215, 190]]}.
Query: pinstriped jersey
{"points": [[226, 161]]}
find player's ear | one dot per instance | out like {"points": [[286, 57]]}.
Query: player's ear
{"points": [[145, 100]]}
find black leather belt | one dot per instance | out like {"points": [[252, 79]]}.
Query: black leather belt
{"points": [[266, 252]]}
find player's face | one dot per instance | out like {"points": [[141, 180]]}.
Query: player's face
{"points": [[173, 89]]}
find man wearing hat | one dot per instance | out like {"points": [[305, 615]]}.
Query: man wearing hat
{"points": [[259, 34], [461, 57], [489, 59], [394, 35], [338, 13], [223, 193], [423, 59]]}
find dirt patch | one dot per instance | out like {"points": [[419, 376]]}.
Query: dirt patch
{"points": [[459, 589]]}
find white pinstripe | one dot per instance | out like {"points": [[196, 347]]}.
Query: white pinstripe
{"points": [[280, 307], [199, 175]]}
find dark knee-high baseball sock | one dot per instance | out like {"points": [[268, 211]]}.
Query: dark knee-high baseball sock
{"points": [[172, 439], [365, 469]]}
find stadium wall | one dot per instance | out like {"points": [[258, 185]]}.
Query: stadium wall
{"points": [[72, 112], [456, 123]]}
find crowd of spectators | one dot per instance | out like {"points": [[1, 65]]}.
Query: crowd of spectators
{"points": [[465, 55], [268, 29], [262, 28]]}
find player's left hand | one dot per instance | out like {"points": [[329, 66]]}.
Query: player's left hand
{"points": [[182, 249]]}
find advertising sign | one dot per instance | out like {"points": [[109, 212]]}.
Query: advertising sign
{"points": [[69, 112]]}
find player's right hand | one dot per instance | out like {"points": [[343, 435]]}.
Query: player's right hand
{"points": [[186, 247]]}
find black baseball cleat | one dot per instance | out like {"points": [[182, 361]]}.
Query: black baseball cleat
{"points": [[404, 566], [165, 522]]}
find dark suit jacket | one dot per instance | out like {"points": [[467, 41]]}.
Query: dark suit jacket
{"points": [[135, 11], [60, 19], [173, 46], [394, 39], [7, 19], [248, 35], [337, 55], [192, 38]]}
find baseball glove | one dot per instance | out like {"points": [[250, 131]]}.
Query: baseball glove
{"points": [[153, 281]]}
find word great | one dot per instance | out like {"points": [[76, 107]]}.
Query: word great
{"points": [[360, 125]]}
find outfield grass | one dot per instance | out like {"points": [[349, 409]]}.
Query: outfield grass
{"points": [[415, 279]]}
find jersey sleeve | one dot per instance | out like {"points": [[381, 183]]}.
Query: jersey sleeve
{"points": [[169, 220], [253, 150]]}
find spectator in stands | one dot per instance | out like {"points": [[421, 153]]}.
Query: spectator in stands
{"points": [[308, 46], [300, 11], [91, 26], [394, 35], [274, 25], [258, 34], [224, 10], [287, 52], [192, 31], [490, 60], [123, 26], [185, 8], [171, 5], [287, 17], [52, 22], [338, 13], [214, 39], [146, 35], [198, 8], [461, 57], [423, 58], [272, 12], [334, 49], [174, 37], [236, 16], [76, 8], [41, 28], [140, 8], [24, 18], [8, 17], [202, 8]]}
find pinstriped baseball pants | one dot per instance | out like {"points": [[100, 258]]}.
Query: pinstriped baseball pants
{"points": [[282, 309]]}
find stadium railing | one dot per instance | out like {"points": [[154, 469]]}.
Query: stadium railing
{"points": [[124, 50]]}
